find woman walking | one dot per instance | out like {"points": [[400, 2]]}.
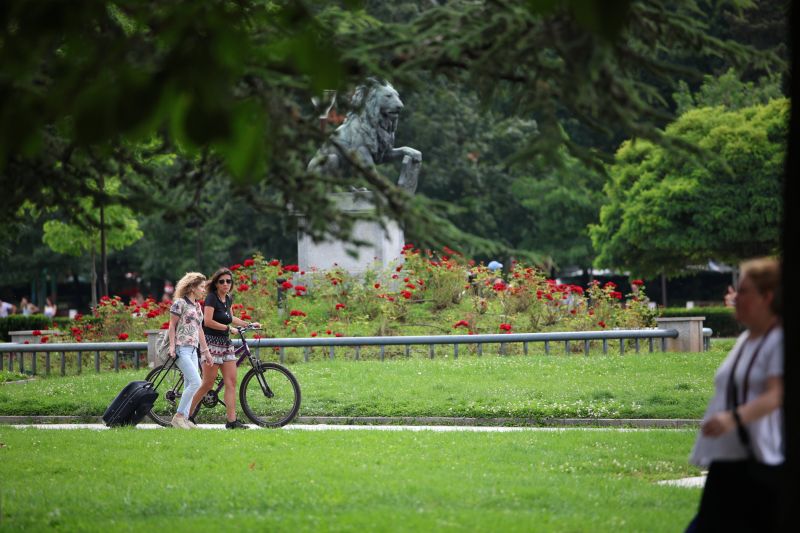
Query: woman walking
{"points": [[217, 320], [741, 439], [185, 321]]}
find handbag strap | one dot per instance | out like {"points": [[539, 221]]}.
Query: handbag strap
{"points": [[733, 393]]}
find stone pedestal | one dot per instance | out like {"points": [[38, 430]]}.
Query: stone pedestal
{"points": [[23, 337], [381, 251], [690, 333], [152, 337]]}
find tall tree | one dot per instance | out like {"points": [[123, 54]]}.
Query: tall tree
{"points": [[667, 211]]}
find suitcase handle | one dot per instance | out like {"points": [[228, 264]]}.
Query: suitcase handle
{"points": [[163, 373]]}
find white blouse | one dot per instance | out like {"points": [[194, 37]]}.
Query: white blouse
{"points": [[766, 433]]}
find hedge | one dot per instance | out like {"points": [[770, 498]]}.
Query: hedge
{"points": [[719, 319], [27, 322]]}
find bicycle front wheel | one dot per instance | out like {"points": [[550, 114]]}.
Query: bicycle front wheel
{"points": [[270, 395], [169, 394]]}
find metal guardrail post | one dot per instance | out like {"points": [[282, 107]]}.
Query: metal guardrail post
{"points": [[307, 353], [547, 347], [116, 360], [455, 350], [383, 351], [524, 348], [622, 346], [650, 341], [431, 350], [46, 363], [80, 362], [566, 347], [586, 347], [63, 363], [636, 345], [97, 361], [480, 349], [282, 354], [33, 363], [605, 346]]}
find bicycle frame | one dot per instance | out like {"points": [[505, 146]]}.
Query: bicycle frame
{"points": [[243, 352]]}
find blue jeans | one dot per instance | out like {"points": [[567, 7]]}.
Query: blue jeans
{"points": [[187, 362]]}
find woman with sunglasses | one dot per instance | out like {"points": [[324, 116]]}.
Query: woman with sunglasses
{"points": [[217, 321]]}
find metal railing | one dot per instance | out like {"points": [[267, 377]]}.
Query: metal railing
{"points": [[9, 352]]}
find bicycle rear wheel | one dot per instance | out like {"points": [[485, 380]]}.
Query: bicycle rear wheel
{"points": [[169, 394], [270, 395]]}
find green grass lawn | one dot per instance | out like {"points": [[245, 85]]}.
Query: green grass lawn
{"points": [[279, 480], [659, 385]]}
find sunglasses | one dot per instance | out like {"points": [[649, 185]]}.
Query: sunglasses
{"points": [[225, 281]]}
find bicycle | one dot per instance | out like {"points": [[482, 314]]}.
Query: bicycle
{"points": [[268, 393]]}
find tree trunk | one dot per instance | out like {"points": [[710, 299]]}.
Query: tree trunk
{"points": [[103, 258], [94, 281]]}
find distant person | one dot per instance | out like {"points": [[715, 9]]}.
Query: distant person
{"points": [[6, 309], [50, 308], [730, 297], [169, 290], [741, 439], [27, 308], [185, 336], [494, 267]]}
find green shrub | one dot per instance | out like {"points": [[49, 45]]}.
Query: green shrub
{"points": [[23, 323], [719, 319]]}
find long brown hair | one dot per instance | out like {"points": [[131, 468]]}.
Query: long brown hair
{"points": [[211, 286]]}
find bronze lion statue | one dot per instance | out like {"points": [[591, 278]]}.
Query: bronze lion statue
{"points": [[367, 136]]}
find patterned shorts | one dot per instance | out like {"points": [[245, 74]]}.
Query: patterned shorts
{"points": [[221, 348]]}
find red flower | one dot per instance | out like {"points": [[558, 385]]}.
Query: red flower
{"points": [[152, 314], [286, 285], [377, 285], [339, 306], [334, 282], [611, 285], [291, 268], [274, 263], [576, 289], [300, 288], [296, 312], [339, 335], [637, 282], [328, 332], [26, 342], [616, 294], [499, 286], [122, 336], [243, 287], [313, 333], [591, 312], [245, 316], [405, 294], [165, 325], [408, 247], [405, 280], [399, 268], [461, 324], [249, 262], [505, 327], [572, 311], [236, 267], [36, 332], [44, 339], [601, 324]]}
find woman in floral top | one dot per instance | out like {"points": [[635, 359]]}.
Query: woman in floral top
{"points": [[185, 335]]}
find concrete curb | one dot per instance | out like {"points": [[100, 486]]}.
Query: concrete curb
{"points": [[666, 423]]}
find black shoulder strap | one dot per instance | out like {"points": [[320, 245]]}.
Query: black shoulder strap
{"points": [[733, 393]]}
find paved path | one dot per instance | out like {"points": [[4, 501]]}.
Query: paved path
{"points": [[341, 427], [422, 421]]}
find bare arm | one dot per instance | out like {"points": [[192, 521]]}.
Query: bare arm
{"points": [[762, 405]]}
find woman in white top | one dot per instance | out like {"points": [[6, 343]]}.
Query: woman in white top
{"points": [[741, 439]]}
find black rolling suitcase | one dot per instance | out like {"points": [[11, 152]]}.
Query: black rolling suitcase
{"points": [[133, 403]]}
